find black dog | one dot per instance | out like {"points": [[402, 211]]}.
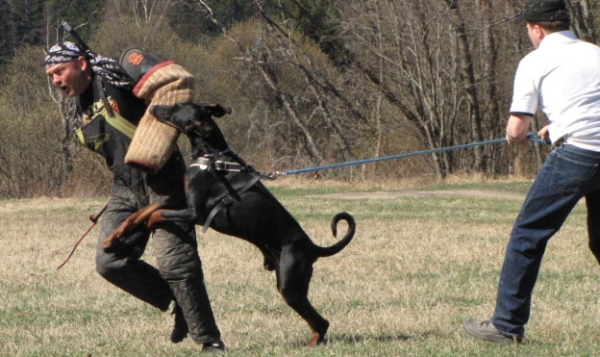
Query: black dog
{"points": [[225, 194]]}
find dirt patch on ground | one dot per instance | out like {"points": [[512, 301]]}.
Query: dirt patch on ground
{"points": [[382, 195]]}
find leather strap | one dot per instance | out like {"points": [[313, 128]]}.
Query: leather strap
{"points": [[229, 199]]}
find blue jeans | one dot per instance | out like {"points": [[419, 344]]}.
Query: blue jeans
{"points": [[568, 174]]}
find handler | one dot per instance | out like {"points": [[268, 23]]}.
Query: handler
{"points": [[109, 103], [562, 76]]}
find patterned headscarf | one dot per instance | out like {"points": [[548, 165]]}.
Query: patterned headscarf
{"points": [[105, 67]]}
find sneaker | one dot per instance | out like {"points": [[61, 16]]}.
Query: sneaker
{"points": [[485, 330], [216, 346], [180, 330]]}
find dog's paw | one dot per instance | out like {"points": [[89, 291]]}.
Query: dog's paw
{"points": [[316, 340], [110, 241]]}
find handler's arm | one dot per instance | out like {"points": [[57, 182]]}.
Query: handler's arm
{"points": [[517, 128]]}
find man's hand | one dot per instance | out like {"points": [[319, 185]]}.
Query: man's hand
{"points": [[544, 134]]}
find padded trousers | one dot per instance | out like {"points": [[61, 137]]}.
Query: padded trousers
{"points": [[179, 275]]}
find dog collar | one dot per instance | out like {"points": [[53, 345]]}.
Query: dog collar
{"points": [[205, 163]]}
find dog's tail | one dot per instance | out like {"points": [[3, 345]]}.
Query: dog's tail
{"points": [[337, 247]]}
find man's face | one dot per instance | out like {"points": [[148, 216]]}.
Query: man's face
{"points": [[72, 78]]}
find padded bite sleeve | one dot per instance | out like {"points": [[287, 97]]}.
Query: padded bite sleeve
{"points": [[165, 83]]}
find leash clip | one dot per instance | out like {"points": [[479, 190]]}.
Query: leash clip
{"points": [[274, 175], [218, 154]]}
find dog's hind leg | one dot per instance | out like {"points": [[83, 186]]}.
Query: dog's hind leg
{"points": [[293, 281]]}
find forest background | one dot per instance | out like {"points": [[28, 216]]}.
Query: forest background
{"points": [[311, 82]]}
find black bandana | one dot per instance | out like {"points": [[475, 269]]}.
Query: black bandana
{"points": [[107, 68]]}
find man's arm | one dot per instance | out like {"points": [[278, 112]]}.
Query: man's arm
{"points": [[517, 127]]}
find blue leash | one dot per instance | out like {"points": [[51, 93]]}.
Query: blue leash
{"points": [[530, 136]]}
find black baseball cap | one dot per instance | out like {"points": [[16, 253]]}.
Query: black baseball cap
{"points": [[543, 10]]}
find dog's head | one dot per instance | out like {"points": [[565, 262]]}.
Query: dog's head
{"points": [[189, 117]]}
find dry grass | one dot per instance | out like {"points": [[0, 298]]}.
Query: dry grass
{"points": [[419, 266]]}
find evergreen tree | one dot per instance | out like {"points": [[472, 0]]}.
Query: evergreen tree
{"points": [[190, 21], [28, 19], [315, 19], [6, 33], [77, 13]]}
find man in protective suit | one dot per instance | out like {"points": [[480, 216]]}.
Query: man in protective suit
{"points": [[111, 101]]}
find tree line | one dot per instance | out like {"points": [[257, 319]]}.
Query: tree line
{"points": [[311, 82]]}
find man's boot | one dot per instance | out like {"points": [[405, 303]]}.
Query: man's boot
{"points": [[196, 312]]}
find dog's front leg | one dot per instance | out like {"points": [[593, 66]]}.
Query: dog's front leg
{"points": [[131, 222], [185, 215]]}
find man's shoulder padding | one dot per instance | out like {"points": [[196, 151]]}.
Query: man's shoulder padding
{"points": [[137, 63]]}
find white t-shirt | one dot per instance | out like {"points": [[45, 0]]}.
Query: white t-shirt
{"points": [[562, 76]]}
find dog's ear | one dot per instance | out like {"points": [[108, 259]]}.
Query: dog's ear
{"points": [[215, 110], [163, 112], [222, 110]]}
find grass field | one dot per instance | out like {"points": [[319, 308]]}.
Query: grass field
{"points": [[424, 259]]}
